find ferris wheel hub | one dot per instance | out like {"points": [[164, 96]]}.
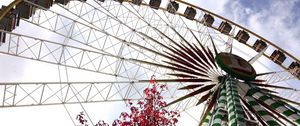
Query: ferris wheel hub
{"points": [[235, 66]]}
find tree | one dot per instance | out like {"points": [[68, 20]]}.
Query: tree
{"points": [[149, 111]]}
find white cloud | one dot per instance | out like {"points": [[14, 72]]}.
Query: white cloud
{"points": [[276, 22]]}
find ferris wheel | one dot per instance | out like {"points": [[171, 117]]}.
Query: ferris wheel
{"points": [[79, 52]]}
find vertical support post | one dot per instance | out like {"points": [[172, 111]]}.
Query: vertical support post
{"points": [[234, 108], [220, 111], [14, 95], [4, 92], [207, 119]]}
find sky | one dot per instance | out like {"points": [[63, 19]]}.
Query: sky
{"points": [[277, 21]]}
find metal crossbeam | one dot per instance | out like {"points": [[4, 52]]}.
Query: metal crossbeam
{"points": [[71, 56], [56, 53], [18, 94]]}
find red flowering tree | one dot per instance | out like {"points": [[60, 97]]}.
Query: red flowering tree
{"points": [[147, 112]]}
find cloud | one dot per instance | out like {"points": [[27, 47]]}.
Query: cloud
{"points": [[278, 21]]}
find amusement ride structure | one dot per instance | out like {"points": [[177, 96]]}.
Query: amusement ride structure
{"points": [[204, 59]]}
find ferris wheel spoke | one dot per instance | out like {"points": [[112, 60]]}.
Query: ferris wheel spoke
{"points": [[112, 43], [139, 19], [68, 28], [203, 63], [121, 25], [207, 35], [185, 105], [181, 29], [186, 49], [189, 35], [155, 40], [179, 53], [158, 28], [179, 69], [198, 91], [127, 42], [170, 40], [273, 86], [207, 51]]}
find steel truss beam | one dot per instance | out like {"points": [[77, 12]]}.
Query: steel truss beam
{"points": [[70, 56], [59, 54], [15, 94], [96, 38]]}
